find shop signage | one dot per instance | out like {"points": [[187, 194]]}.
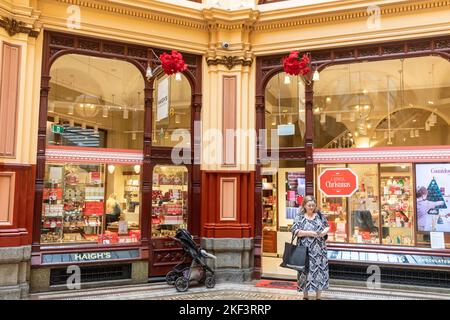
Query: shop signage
{"points": [[57, 129], [90, 256], [388, 258], [341, 182], [162, 111]]}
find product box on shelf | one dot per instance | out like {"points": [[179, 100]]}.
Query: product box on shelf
{"points": [[94, 193], [108, 237], [52, 194], [173, 219], [93, 208], [53, 210]]}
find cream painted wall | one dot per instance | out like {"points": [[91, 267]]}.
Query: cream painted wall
{"points": [[28, 97]]}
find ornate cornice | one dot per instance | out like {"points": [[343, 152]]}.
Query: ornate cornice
{"points": [[13, 27], [186, 20], [336, 13], [229, 62]]}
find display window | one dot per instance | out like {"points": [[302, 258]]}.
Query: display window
{"points": [[397, 208], [90, 203], [169, 200], [95, 103], [285, 110], [335, 209], [364, 207], [394, 205], [171, 111], [399, 102]]}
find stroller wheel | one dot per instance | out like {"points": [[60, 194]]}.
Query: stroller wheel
{"points": [[210, 282], [171, 276], [181, 284]]}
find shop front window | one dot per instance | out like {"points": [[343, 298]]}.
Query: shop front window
{"points": [[172, 111], [96, 103], [397, 208], [335, 210], [90, 203], [364, 205], [433, 204], [169, 200], [285, 111], [401, 102]]}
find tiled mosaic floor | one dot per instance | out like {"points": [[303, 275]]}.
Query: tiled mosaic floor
{"points": [[228, 291]]}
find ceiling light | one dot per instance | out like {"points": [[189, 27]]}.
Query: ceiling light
{"points": [[133, 136], [369, 126], [70, 109], [323, 118], [177, 118], [111, 168], [316, 76], [125, 113], [416, 133], [149, 73], [287, 79], [339, 117], [365, 91], [411, 133], [328, 99], [357, 107], [356, 134], [105, 112], [431, 102], [137, 169], [317, 110], [178, 76]]}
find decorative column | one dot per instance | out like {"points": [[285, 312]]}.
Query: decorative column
{"points": [[228, 145], [20, 61]]}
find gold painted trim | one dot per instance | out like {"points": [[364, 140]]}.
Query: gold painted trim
{"points": [[348, 14], [137, 13]]}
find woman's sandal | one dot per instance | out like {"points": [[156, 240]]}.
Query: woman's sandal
{"points": [[305, 298]]}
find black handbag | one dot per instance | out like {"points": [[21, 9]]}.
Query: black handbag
{"points": [[295, 257]]}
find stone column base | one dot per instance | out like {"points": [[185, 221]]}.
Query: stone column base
{"points": [[234, 258], [14, 272]]}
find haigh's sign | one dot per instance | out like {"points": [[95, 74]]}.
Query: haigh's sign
{"points": [[340, 182], [92, 256], [72, 257]]}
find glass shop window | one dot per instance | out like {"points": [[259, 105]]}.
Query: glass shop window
{"points": [[397, 209], [400, 102], [172, 111], [285, 111], [91, 203], [364, 205], [335, 209], [95, 102], [169, 200]]}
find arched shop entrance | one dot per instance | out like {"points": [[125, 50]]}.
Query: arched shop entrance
{"points": [[108, 196], [384, 115]]}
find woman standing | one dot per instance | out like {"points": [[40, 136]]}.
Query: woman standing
{"points": [[311, 227]]}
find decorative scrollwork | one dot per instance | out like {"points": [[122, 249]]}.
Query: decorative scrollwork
{"points": [[229, 62], [14, 27]]}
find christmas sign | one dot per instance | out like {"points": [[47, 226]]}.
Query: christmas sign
{"points": [[432, 197], [338, 182]]}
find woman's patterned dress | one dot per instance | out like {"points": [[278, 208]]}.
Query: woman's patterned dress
{"points": [[317, 276]]}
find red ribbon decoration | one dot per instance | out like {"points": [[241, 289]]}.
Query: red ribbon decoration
{"points": [[294, 65], [172, 63]]}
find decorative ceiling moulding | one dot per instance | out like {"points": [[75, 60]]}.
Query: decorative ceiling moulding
{"points": [[230, 62], [283, 19], [220, 19], [139, 12], [13, 27]]}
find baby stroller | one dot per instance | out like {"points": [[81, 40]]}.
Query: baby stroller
{"points": [[184, 273]]}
